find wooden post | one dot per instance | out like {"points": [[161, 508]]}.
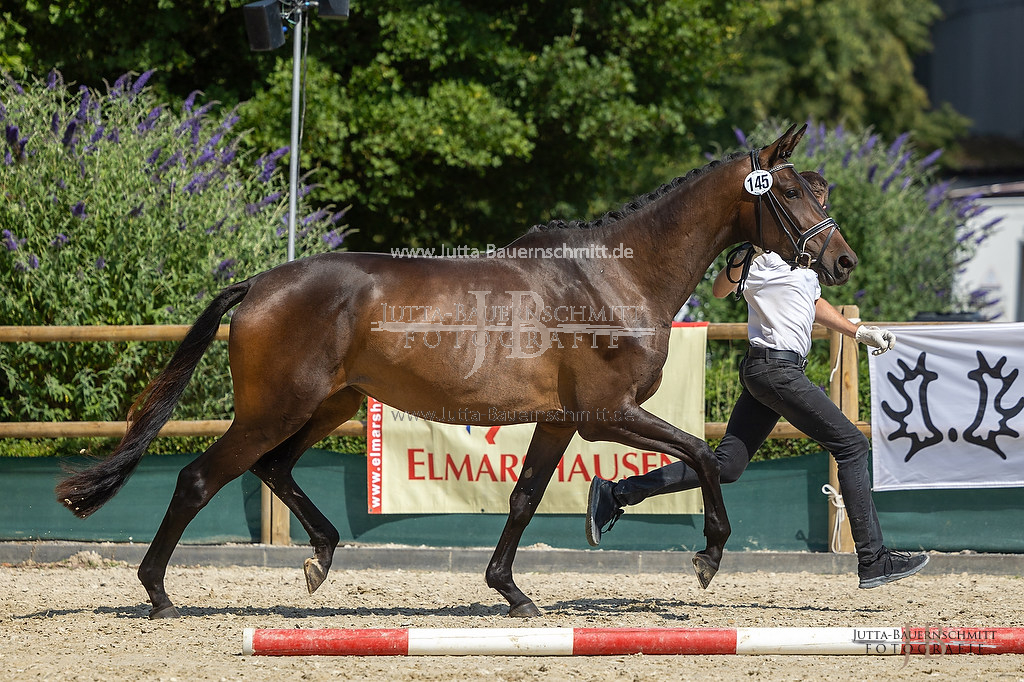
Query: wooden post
{"points": [[275, 519], [843, 390]]}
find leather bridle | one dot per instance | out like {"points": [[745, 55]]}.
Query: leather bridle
{"points": [[743, 255], [797, 238]]}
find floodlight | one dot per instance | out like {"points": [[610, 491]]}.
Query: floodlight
{"points": [[333, 9], [263, 25], [264, 22]]}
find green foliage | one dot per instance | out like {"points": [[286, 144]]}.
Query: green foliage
{"points": [[117, 211], [201, 43], [467, 122], [458, 122], [847, 62]]}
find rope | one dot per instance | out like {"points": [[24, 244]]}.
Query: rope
{"points": [[839, 360], [837, 501]]}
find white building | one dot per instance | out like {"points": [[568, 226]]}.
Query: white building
{"points": [[977, 65], [999, 262]]}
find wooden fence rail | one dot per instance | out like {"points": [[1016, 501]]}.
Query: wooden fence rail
{"points": [[732, 331], [843, 391]]}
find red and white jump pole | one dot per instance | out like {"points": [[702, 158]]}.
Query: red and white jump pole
{"points": [[932, 640]]}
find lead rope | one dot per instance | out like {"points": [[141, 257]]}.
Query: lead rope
{"points": [[839, 359], [740, 257], [836, 499], [834, 495]]}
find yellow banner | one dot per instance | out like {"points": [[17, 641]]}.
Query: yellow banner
{"points": [[415, 466]]}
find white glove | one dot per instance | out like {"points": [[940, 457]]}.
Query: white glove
{"points": [[882, 339]]}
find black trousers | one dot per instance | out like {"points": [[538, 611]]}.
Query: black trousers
{"points": [[774, 388]]}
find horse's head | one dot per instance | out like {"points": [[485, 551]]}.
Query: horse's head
{"points": [[788, 220]]}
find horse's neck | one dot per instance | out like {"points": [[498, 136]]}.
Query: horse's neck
{"points": [[676, 239]]}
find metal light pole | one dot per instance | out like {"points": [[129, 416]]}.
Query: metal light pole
{"points": [[265, 28], [293, 165]]}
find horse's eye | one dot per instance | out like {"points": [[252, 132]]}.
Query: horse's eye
{"points": [[792, 194]]}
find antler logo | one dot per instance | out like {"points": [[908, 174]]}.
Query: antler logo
{"points": [[971, 434], [917, 442], [978, 375]]}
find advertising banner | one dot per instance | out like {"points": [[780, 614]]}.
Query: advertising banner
{"points": [[416, 466]]}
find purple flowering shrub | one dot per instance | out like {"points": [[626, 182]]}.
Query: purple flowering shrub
{"points": [[911, 235], [119, 210]]}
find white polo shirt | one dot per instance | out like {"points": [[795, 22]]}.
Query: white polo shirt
{"points": [[780, 304]]}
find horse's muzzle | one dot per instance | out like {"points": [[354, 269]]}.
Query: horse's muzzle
{"points": [[838, 272]]}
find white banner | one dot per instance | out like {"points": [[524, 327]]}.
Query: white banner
{"points": [[947, 408]]}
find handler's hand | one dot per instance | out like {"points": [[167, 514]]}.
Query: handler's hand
{"points": [[882, 339]]}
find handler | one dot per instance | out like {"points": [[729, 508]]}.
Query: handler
{"points": [[782, 304]]}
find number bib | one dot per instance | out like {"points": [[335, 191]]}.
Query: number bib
{"points": [[758, 182]]}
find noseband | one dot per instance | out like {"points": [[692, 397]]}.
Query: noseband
{"points": [[798, 239]]}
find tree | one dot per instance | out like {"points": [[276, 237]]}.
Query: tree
{"points": [[470, 121], [195, 45], [844, 62]]}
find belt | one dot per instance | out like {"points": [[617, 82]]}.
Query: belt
{"points": [[773, 354]]}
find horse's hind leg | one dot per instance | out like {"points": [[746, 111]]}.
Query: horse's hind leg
{"points": [[275, 469], [546, 448], [198, 482]]}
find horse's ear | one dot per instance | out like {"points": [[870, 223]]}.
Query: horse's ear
{"points": [[794, 140], [782, 148]]}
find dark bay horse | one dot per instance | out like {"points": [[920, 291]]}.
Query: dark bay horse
{"points": [[310, 339]]}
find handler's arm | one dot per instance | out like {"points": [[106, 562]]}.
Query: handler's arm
{"points": [[827, 314], [879, 339], [722, 287]]}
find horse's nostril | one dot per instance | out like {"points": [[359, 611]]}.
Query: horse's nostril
{"points": [[846, 262]]}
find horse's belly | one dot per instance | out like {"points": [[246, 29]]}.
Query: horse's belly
{"points": [[454, 388]]}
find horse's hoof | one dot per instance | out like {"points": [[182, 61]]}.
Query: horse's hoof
{"points": [[527, 610], [705, 571], [315, 575], [165, 612]]}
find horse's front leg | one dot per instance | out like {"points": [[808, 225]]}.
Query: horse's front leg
{"points": [[546, 448], [641, 429]]}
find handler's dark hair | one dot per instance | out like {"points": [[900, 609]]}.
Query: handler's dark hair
{"points": [[819, 185]]}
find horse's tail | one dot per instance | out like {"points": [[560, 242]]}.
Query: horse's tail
{"points": [[87, 490]]}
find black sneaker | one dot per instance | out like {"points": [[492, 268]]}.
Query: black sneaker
{"points": [[889, 567], [602, 510]]}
